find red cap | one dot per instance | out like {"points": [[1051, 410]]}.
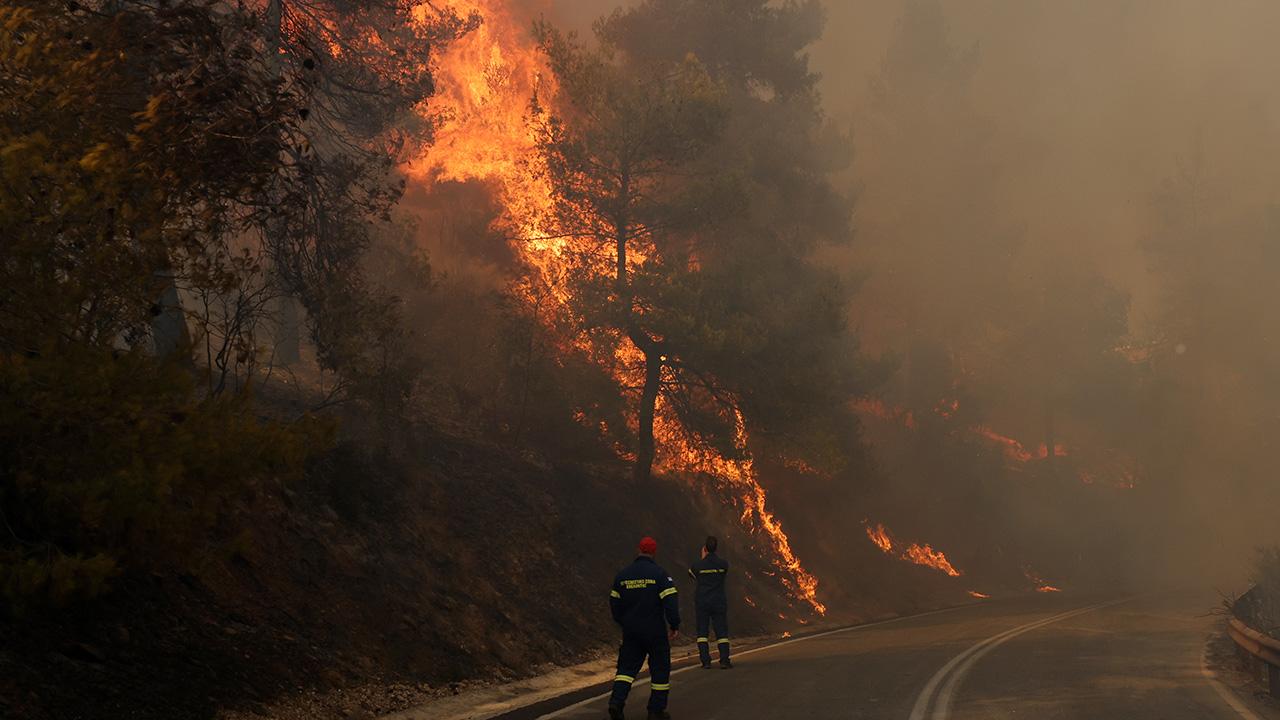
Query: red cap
{"points": [[648, 546]]}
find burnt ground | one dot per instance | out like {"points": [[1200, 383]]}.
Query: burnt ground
{"points": [[411, 578]]}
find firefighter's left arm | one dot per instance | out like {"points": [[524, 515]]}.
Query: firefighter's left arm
{"points": [[670, 604], [615, 601]]}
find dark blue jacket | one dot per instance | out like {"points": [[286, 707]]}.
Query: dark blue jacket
{"points": [[710, 573], [643, 599]]}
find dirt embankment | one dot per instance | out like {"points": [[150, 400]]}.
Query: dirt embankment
{"points": [[405, 576]]}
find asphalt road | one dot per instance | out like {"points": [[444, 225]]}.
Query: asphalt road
{"points": [[1043, 657]]}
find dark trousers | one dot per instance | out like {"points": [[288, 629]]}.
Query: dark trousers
{"points": [[718, 618], [631, 657]]}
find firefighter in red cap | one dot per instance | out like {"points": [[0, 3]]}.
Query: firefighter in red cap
{"points": [[643, 601]]}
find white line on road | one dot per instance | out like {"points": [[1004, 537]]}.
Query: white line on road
{"points": [[583, 703], [956, 668], [1223, 691]]}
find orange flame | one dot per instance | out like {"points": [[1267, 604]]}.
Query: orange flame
{"points": [[484, 132], [927, 556], [880, 537], [678, 453], [919, 554], [1039, 582]]}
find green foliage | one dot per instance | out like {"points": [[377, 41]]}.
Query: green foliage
{"points": [[112, 462], [137, 145], [99, 206], [1266, 576]]}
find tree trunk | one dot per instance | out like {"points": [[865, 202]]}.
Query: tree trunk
{"points": [[275, 15], [648, 404], [168, 321], [288, 340], [289, 329], [651, 349]]}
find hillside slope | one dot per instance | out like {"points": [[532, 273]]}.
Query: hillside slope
{"points": [[452, 560]]}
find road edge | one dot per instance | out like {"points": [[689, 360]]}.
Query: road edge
{"points": [[552, 711]]}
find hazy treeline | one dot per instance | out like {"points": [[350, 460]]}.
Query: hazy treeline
{"points": [[1069, 210]]}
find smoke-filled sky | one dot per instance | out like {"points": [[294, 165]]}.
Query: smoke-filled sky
{"points": [[1090, 104], [1077, 177]]}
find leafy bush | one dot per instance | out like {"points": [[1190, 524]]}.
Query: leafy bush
{"points": [[1266, 577], [136, 146], [112, 461]]}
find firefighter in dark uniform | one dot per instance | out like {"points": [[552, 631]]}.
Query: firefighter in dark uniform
{"points": [[711, 607], [643, 601]]}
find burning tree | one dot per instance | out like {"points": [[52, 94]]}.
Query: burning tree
{"points": [[773, 319], [361, 70], [663, 199], [621, 157], [709, 183]]}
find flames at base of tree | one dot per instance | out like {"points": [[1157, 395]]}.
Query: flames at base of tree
{"points": [[915, 553], [488, 81], [677, 453]]}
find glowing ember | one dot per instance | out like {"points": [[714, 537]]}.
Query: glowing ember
{"points": [[1012, 448], [749, 601], [1015, 451], [786, 633], [947, 408], [978, 595], [1039, 582], [877, 409], [919, 554]]}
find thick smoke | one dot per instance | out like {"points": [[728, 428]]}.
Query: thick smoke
{"points": [[1036, 163]]}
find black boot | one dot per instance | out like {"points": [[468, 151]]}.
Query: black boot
{"points": [[726, 665], [615, 712]]}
